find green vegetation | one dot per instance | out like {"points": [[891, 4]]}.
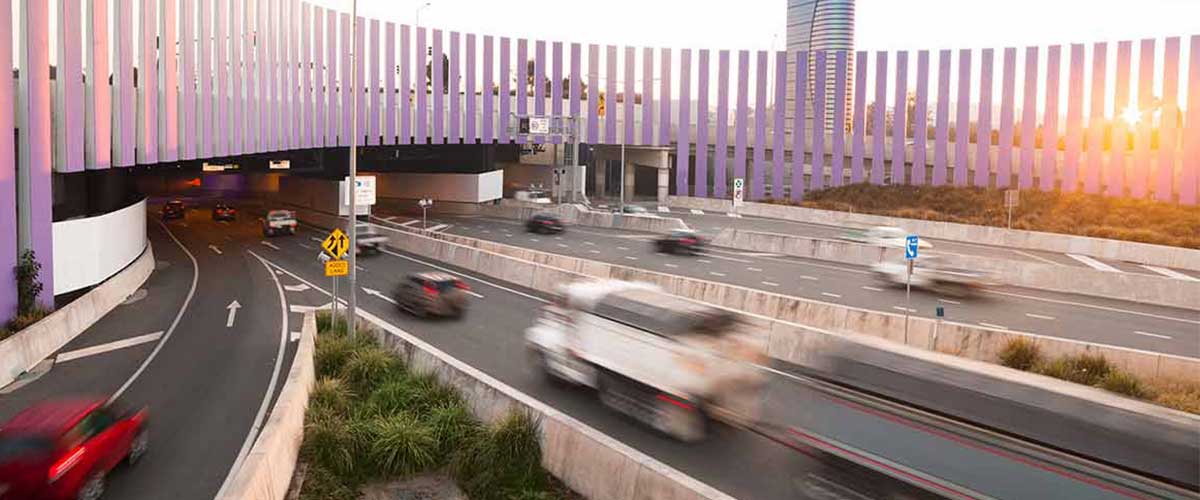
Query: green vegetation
{"points": [[29, 286], [1094, 370], [1080, 214], [370, 419]]}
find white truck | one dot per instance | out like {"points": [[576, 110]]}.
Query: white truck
{"points": [[666, 361], [369, 241], [934, 274]]}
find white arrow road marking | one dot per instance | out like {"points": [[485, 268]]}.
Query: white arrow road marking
{"points": [[696, 211], [1170, 273], [296, 288], [303, 309], [1093, 263], [294, 336], [215, 249], [111, 346], [269, 245], [379, 294], [233, 307]]}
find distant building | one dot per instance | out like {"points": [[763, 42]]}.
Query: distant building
{"points": [[814, 25]]}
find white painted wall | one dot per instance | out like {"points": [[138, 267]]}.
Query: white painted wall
{"points": [[88, 251], [462, 188]]}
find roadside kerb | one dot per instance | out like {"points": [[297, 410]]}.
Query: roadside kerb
{"points": [[26, 348], [1128, 251], [267, 471], [1144, 288]]}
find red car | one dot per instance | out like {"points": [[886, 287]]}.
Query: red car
{"points": [[63, 449]]}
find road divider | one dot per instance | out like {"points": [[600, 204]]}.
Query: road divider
{"points": [[26, 348]]}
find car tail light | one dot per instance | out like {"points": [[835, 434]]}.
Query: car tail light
{"points": [[430, 290], [462, 285], [688, 241], [64, 464], [666, 398]]}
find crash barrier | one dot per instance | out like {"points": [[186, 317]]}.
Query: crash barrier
{"points": [[1129, 251], [580, 215], [26, 348], [266, 472], [1155, 440], [1145, 288]]}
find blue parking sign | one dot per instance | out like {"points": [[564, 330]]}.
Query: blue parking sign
{"points": [[910, 247]]}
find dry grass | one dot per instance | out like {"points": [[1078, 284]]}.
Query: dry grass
{"points": [[1178, 394]]}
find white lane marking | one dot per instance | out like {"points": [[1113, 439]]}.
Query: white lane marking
{"points": [[560, 245], [378, 294], [215, 249], [834, 295], [486, 231], [593, 251], [709, 253], [294, 336], [559, 238], [993, 325], [735, 216], [696, 211], [1155, 335], [486, 282], [438, 227], [296, 308], [409, 223], [770, 283], [588, 243], [316, 239], [1036, 257], [663, 209], [535, 240], [871, 288], [252, 436], [672, 266], [704, 261], [1093, 263], [810, 278], [390, 218], [714, 273], [1170, 273], [304, 246], [948, 301], [622, 248], [296, 288], [630, 257], [174, 323], [269, 245], [233, 309], [111, 346], [473, 294], [1040, 316], [1093, 306], [902, 309], [754, 269]]}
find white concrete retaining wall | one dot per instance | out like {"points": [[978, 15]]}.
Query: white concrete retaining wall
{"points": [[79, 262], [30, 346], [1143, 253], [1158, 290], [267, 471]]}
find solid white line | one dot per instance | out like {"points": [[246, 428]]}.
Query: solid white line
{"points": [[1040, 316], [252, 436], [438, 227], [174, 323], [902, 309], [834, 295], [215, 249], [111, 346], [409, 223], [473, 294], [672, 266], [630, 257], [696, 211], [1170, 273], [1093, 306], [296, 288], [714, 273], [993, 325], [770, 283], [810, 278], [1155, 335], [754, 269], [1093, 263], [440, 268], [1037, 257], [871, 288], [948, 301], [269, 244]]}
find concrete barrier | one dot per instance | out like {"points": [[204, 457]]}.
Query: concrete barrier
{"points": [[1145, 288], [580, 215], [1130, 251], [266, 473], [28, 347]]}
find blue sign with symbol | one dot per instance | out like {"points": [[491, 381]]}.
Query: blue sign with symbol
{"points": [[910, 247]]}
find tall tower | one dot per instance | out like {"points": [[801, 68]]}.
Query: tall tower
{"points": [[814, 25]]}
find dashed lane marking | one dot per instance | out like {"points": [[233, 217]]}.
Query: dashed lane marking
{"points": [[696, 211], [948, 301], [269, 245], [296, 288], [871, 288], [834, 295], [672, 266], [1040, 316], [993, 325], [754, 269], [809, 278], [770, 283], [1155, 335]]}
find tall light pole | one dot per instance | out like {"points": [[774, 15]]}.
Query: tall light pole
{"points": [[419, 9], [353, 309]]}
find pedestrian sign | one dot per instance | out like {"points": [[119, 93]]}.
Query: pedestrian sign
{"points": [[337, 244], [337, 268], [910, 247]]}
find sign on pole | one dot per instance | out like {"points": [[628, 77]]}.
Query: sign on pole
{"points": [[739, 186], [911, 243], [364, 189], [539, 126], [337, 268], [337, 243]]}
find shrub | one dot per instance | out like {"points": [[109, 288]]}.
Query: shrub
{"points": [[401, 444], [331, 354], [23, 321], [1083, 369], [321, 484], [1180, 395], [505, 459], [29, 285], [394, 395], [367, 366], [329, 443], [1020, 353], [331, 394], [452, 426], [1123, 383]]}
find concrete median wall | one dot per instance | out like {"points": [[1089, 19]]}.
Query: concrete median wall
{"points": [[1129, 251], [581, 216], [28, 347], [1143, 288], [266, 473]]}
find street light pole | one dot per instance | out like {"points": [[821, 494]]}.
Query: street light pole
{"points": [[621, 182], [419, 9], [351, 317]]}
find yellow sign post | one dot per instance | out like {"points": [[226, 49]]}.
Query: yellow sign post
{"points": [[337, 244], [337, 268]]}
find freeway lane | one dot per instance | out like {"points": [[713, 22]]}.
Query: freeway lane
{"points": [[741, 463], [1124, 324]]}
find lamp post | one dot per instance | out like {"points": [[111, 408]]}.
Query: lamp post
{"points": [[419, 9], [352, 310]]}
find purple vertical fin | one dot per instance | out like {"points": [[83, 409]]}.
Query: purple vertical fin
{"points": [[837, 160], [1115, 179], [799, 124], [1096, 152], [8, 171], [664, 97], [648, 96], [683, 143], [421, 89], [1168, 133], [454, 135], [758, 175], [628, 98], [375, 111], [740, 115], [98, 129], [983, 141], [330, 101], [920, 120], [220, 124], [539, 79], [819, 101], [68, 90], [556, 85], [438, 88], [486, 136], [878, 126], [1191, 138], [523, 79], [1141, 140], [962, 124], [147, 84], [361, 82], [860, 119], [344, 91], [610, 91], [778, 124], [1074, 141], [505, 77], [721, 146], [1050, 121], [237, 41], [187, 86], [594, 93], [900, 105], [406, 85], [470, 134], [941, 139], [123, 104], [389, 83], [701, 182], [1028, 119], [307, 109], [1007, 93], [573, 109], [34, 173]]}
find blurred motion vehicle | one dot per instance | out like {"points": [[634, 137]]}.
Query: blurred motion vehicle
{"points": [[544, 223], [680, 242], [279, 222], [532, 196], [64, 449], [884, 236], [668, 362], [432, 294], [369, 241], [222, 211], [632, 209], [173, 210], [932, 273]]}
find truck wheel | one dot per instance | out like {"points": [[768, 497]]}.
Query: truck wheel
{"points": [[685, 424], [539, 361]]}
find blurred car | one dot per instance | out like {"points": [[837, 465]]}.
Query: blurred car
{"points": [[934, 274], [222, 211], [533, 196], [884, 236], [173, 210], [680, 242], [544, 223], [432, 294], [64, 449], [632, 209], [368, 241], [279, 222]]}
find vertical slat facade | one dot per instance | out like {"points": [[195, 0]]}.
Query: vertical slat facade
{"points": [[68, 89], [778, 127], [8, 171], [539, 81], [523, 79], [576, 87], [344, 91], [879, 126], [486, 134], [1116, 176], [421, 87], [389, 83], [308, 108], [237, 41], [610, 91], [683, 142], [365, 111], [505, 77], [941, 131], [647, 96], [1141, 140], [35, 146], [1191, 139], [204, 87], [899, 103], [628, 98], [983, 140], [702, 73], [375, 116], [664, 97], [454, 132], [406, 84], [920, 119], [1074, 138], [962, 123], [470, 134], [817, 179], [438, 84], [1050, 121], [741, 115], [97, 110], [1007, 93], [838, 148], [1096, 152], [594, 93], [221, 128], [758, 173], [1028, 119], [799, 124], [1164, 169], [721, 139], [123, 104], [556, 85]]}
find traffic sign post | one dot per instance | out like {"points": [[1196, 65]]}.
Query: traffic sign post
{"points": [[333, 307], [337, 244], [1012, 198], [425, 203], [911, 244], [739, 191], [337, 267]]}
